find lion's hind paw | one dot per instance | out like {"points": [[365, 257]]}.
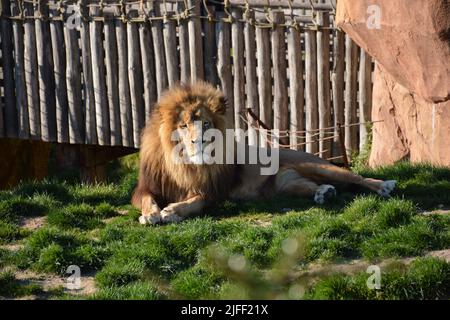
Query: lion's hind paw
{"points": [[324, 192], [386, 188]]}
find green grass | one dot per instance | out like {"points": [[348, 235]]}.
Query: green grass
{"points": [[424, 279], [10, 287], [236, 250]]}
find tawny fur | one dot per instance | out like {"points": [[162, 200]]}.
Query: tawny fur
{"points": [[167, 191], [169, 182]]}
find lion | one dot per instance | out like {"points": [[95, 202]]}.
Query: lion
{"points": [[169, 190]]}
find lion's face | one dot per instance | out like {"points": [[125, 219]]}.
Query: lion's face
{"points": [[193, 122], [190, 113]]}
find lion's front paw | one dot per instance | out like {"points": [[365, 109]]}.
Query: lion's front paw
{"points": [[168, 214], [324, 192], [387, 187], [149, 219]]}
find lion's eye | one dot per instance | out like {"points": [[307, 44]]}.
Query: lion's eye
{"points": [[183, 126], [206, 125]]}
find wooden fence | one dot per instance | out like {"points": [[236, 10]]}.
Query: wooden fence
{"points": [[89, 72]]}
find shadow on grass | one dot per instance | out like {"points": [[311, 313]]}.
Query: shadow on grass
{"points": [[357, 223]]}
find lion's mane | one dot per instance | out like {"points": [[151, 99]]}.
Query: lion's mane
{"points": [[158, 174]]}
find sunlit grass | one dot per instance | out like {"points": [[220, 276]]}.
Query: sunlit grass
{"points": [[83, 227]]}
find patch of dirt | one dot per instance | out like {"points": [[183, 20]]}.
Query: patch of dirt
{"points": [[316, 271], [262, 223], [108, 220], [442, 254], [438, 212], [33, 223], [123, 212], [52, 282], [12, 246]]}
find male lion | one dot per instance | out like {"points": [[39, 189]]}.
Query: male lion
{"points": [[170, 190]]}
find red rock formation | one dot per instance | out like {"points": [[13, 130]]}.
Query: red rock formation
{"points": [[412, 41], [412, 78], [413, 128]]}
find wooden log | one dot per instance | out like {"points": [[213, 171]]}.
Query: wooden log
{"points": [[135, 80], [195, 41], [283, 4], [237, 44], [365, 97], [250, 75], [351, 69], [337, 82], [264, 79], [9, 124], [341, 141], [158, 48], [76, 125], [88, 82], [99, 80], [311, 109], [59, 62], [45, 74], [323, 83], [210, 50], [183, 35], [112, 82], [280, 94], [19, 77], [148, 68], [31, 74], [124, 87], [170, 46], [223, 36], [296, 88]]}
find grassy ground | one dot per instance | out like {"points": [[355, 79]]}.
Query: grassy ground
{"points": [[283, 248]]}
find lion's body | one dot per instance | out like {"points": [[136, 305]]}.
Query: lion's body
{"points": [[181, 189]]}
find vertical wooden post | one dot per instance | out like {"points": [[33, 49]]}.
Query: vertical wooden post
{"points": [[365, 96], [223, 36], [158, 49], [183, 35], [195, 41], [31, 75], [250, 75], [9, 124], [237, 44], [76, 126], [59, 61], [296, 89], [99, 80], [46, 76], [170, 45], [342, 144], [351, 60], [124, 87], [280, 94], [88, 88], [112, 82], [311, 91], [148, 68], [337, 80], [210, 50], [135, 80], [323, 82], [264, 79], [19, 76]]}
